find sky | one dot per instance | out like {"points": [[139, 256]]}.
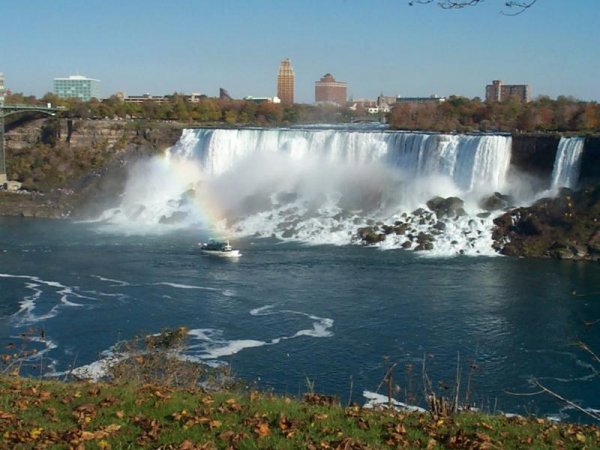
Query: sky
{"points": [[376, 46]]}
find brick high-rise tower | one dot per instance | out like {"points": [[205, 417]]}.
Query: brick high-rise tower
{"points": [[285, 82], [327, 90]]}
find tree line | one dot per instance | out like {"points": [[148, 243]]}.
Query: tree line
{"points": [[179, 108], [460, 114]]}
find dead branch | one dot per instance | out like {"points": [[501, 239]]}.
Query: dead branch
{"points": [[593, 415]]}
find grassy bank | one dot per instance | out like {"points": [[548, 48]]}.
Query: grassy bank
{"points": [[52, 414]]}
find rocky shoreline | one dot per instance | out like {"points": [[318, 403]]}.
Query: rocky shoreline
{"points": [[563, 227]]}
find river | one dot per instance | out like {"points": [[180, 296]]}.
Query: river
{"points": [[286, 312]]}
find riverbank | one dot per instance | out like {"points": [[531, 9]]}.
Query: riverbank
{"points": [[44, 414]]}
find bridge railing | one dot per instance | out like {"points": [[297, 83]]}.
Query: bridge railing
{"points": [[26, 107]]}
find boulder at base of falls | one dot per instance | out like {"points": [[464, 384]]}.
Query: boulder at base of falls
{"points": [[446, 207], [495, 202], [369, 235], [564, 227]]}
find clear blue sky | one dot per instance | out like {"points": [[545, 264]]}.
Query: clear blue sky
{"points": [[159, 47]]}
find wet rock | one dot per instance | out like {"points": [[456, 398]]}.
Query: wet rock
{"points": [[423, 238], [446, 207], [495, 202], [368, 235], [419, 212], [424, 246], [401, 229], [594, 242], [484, 215], [289, 233], [387, 229], [406, 244]]}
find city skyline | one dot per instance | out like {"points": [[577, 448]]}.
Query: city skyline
{"points": [[376, 47]]}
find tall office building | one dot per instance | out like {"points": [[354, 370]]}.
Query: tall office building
{"points": [[327, 90], [499, 92], [285, 82], [77, 86]]}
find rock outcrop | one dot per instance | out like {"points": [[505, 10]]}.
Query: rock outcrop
{"points": [[74, 168], [564, 227]]}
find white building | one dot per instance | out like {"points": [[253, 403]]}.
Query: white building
{"points": [[77, 86]]}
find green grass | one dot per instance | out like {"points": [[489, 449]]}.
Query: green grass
{"points": [[52, 414]]}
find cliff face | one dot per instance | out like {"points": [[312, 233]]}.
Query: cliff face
{"points": [[590, 165], [63, 164], [535, 155], [83, 135]]}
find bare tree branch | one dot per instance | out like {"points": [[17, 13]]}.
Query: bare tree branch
{"points": [[582, 345], [514, 7], [594, 415]]}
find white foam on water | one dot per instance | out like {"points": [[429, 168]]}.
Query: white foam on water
{"points": [[28, 306], [212, 345], [321, 325], [184, 286], [111, 280], [261, 311], [230, 348], [374, 399]]}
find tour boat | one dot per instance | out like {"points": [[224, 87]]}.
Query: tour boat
{"points": [[219, 248]]}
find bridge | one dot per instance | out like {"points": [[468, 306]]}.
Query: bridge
{"points": [[7, 110]]}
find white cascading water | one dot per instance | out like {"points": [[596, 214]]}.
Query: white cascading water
{"points": [[567, 163], [318, 185]]}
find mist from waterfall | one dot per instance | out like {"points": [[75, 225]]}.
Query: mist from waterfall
{"points": [[316, 185]]}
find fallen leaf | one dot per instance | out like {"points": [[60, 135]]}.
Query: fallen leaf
{"points": [[36, 433], [186, 445], [262, 429]]}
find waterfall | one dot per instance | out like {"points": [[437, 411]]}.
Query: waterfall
{"points": [[478, 162], [567, 163], [318, 185]]}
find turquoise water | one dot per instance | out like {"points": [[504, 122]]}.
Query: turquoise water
{"points": [[284, 312]]}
